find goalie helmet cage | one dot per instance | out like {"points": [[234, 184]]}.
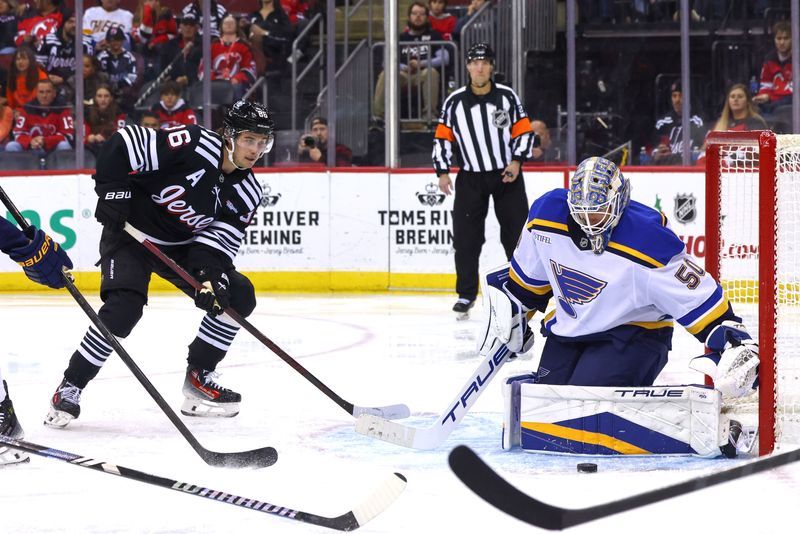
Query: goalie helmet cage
{"points": [[753, 249]]}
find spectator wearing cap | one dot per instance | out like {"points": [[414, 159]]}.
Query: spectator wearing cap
{"points": [[218, 13], [184, 52], [668, 135], [98, 20], [120, 65], [313, 146]]}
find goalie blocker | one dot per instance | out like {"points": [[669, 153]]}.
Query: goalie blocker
{"points": [[663, 420]]}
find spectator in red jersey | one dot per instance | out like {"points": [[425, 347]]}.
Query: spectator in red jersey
{"points": [[231, 58], [313, 146], [103, 119], [43, 17], [440, 20], [739, 113], [171, 109], [22, 78], [153, 26], [8, 26], [776, 72], [272, 33], [41, 126], [149, 119]]}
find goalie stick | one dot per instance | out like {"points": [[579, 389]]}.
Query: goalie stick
{"points": [[495, 490], [262, 457], [377, 502], [432, 437], [394, 411]]}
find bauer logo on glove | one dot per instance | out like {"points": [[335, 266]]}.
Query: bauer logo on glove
{"points": [[42, 259]]}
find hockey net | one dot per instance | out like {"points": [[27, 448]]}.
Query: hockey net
{"points": [[753, 248]]}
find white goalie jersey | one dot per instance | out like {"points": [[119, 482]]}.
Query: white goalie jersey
{"points": [[643, 278]]}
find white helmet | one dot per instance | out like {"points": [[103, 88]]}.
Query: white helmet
{"points": [[598, 195]]}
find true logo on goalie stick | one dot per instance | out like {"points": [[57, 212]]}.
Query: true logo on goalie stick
{"points": [[685, 208], [432, 196]]}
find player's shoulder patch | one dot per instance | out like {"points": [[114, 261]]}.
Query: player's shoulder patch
{"points": [[644, 237], [549, 213]]}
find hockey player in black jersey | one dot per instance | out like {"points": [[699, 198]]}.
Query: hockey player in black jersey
{"points": [[190, 191]]}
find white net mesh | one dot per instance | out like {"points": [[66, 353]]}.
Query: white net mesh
{"points": [[739, 263]]}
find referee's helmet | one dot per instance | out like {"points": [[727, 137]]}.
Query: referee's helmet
{"points": [[480, 51]]}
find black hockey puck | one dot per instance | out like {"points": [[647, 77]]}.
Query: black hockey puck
{"points": [[587, 468]]}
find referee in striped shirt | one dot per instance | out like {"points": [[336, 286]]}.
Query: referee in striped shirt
{"points": [[494, 136]]}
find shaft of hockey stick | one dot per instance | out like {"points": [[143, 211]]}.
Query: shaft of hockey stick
{"points": [[394, 411], [262, 457], [432, 437], [380, 498], [498, 492]]}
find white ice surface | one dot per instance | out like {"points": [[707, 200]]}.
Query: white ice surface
{"points": [[371, 350]]}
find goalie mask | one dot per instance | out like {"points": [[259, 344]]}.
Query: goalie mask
{"points": [[598, 195], [246, 116]]}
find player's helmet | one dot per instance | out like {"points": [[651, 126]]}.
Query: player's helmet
{"points": [[598, 195], [246, 116], [480, 51]]}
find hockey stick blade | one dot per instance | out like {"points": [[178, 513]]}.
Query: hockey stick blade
{"points": [[434, 436], [377, 502], [495, 490], [263, 457], [394, 411]]}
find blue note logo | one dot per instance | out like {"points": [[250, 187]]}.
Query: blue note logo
{"points": [[576, 287]]}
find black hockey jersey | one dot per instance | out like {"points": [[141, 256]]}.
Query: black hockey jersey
{"points": [[179, 194]]}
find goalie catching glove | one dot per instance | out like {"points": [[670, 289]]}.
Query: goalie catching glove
{"points": [[733, 360], [507, 321]]}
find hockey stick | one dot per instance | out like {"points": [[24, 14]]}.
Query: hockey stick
{"points": [[495, 490], [377, 502], [432, 437], [394, 411], [262, 457]]}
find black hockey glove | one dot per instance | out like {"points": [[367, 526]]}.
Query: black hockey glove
{"points": [[213, 298], [43, 260], [113, 204]]}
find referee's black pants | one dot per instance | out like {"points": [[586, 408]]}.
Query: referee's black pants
{"points": [[471, 205]]}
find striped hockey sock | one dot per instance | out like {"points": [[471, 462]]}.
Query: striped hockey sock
{"points": [[218, 331], [94, 348]]}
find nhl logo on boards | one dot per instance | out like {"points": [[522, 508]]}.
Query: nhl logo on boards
{"points": [[685, 208], [501, 118], [432, 196], [268, 200]]}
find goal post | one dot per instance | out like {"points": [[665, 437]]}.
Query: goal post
{"points": [[753, 249]]}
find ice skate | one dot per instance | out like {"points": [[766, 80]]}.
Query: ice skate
{"points": [[205, 398], [64, 406], [10, 427], [462, 307]]}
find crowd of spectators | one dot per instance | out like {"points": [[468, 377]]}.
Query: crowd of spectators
{"points": [[124, 52]]}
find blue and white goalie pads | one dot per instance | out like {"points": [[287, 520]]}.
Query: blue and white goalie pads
{"points": [[656, 420]]}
